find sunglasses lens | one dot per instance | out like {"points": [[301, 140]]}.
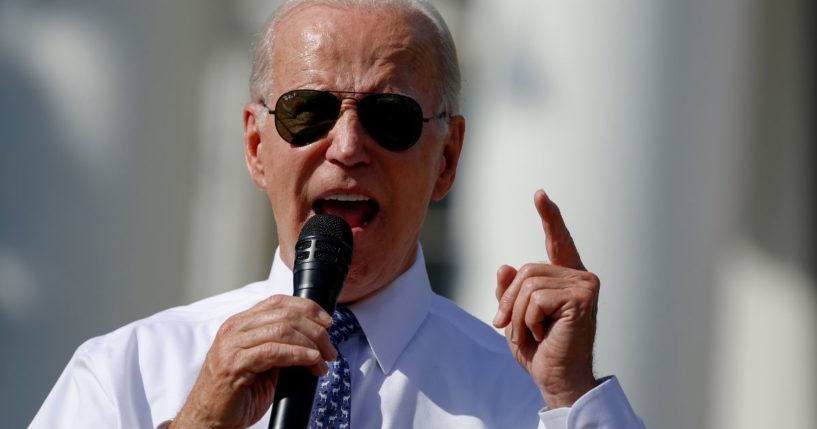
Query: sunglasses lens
{"points": [[305, 115], [394, 121]]}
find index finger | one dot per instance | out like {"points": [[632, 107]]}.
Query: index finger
{"points": [[302, 306], [560, 247]]}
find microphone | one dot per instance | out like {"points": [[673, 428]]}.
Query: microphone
{"points": [[322, 257]]}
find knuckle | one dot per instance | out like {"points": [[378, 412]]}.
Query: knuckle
{"points": [[278, 330], [578, 295], [271, 351], [297, 355], [530, 284], [301, 307], [591, 279], [507, 301], [277, 299], [524, 270], [540, 298], [229, 326], [291, 354], [595, 283], [313, 309], [280, 354], [286, 313], [583, 300], [527, 270]]}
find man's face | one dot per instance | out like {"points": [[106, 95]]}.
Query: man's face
{"points": [[364, 51]]}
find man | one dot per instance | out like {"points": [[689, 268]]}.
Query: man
{"points": [[354, 113]]}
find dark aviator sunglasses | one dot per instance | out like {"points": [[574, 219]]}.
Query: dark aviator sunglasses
{"points": [[394, 121]]}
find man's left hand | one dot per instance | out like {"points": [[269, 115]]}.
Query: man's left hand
{"points": [[549, 313]]}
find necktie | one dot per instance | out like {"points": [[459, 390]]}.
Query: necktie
{"points": [[332, 405]]}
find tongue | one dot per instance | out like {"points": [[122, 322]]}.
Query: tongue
{"points": [[355, 213]]}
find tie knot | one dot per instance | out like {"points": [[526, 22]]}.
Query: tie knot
{"points": [[344, 325]]}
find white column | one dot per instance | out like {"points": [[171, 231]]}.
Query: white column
{"points": [[628, 114]]}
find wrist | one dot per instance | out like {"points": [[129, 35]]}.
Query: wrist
{"points": [[561, 395], [184, 420]]}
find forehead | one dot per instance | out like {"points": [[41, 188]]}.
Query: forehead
{"points": [[355, 50]]}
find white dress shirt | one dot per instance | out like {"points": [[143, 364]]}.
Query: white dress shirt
{"points": [[423, 363]]}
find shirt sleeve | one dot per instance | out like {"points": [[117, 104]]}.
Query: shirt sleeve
{"points": [[77, 400], [604, 407]]}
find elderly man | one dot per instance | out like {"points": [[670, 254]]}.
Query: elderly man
{"points": [[354, 113]]}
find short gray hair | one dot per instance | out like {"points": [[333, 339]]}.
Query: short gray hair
{"points": [[450, 80]]}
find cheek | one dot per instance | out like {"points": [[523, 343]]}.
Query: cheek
{"points": [[282, 171], [285, 168], [416, 179], [416, 188]]}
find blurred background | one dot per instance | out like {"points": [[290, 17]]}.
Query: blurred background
{"points": [[674, 136]]}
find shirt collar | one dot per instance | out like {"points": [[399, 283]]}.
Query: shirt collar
{"points": [[280, 276], [390, 318]]}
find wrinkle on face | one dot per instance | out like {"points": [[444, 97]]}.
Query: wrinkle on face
{"points": [[377, 68]]}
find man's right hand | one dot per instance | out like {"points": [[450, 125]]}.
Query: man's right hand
{"points": [[236, 384]]}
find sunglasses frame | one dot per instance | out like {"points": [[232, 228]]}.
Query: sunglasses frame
{"points": [[442, 115]]}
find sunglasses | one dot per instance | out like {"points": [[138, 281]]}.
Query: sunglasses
{"points": [[394, 121]]}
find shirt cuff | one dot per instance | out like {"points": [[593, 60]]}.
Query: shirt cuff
{"points": [[605, 406]]}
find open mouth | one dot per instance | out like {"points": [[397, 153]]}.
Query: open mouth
{"points": [[357, 210]]}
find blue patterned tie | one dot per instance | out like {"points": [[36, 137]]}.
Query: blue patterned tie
{"points": [[332, 405]]}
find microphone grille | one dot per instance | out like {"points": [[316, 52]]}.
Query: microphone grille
{"points": [[327, 225]]}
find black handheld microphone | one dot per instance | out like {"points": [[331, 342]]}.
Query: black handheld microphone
{"points": [[322, 257]]}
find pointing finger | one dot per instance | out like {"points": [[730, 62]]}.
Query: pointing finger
{"points": [[560, 247]]}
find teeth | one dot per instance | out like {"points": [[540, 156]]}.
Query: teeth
{"points": [[347, 197]]}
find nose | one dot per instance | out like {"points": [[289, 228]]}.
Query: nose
{"points": [[349, 139]]}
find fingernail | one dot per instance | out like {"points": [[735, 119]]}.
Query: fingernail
{"points": [[498, 318], [313, 354], [513, 335], [326, 319]]}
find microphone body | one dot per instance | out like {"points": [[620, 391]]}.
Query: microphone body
{"points": [[322, 257]]}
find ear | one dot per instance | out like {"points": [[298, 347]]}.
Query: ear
{"points": [[253, 145], [450, 157]]}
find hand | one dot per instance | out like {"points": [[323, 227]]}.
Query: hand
{"points": [[236, 384], [549, 313]]}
